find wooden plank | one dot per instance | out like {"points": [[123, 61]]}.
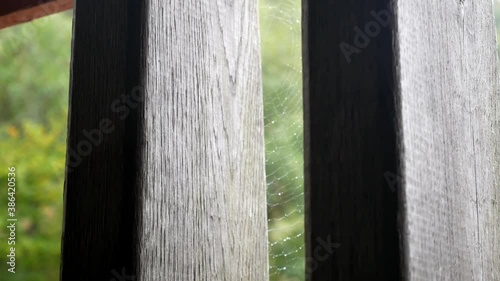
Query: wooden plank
{"points": [[20, 11], [176, 190], [203, 155], [434, 136], [350, 141], [449, 99]]}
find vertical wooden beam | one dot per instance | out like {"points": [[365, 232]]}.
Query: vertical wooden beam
{"points": [[350, 141], [402, 140], [203, 214], [448, 88], [98, 232], [165, 176]]}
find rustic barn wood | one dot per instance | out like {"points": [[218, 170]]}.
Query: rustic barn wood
{"points": [[165, 176], [19, 11], [402, 140]]}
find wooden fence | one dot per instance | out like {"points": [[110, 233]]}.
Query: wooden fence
{"points": [[166, 180]]}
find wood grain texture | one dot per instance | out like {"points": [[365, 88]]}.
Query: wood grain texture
{"points": [[350, 143], [449, 102], [177, 190], [203, 193], [20, 11]]}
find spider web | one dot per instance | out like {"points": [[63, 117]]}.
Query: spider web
{"points": [[282, 79]]}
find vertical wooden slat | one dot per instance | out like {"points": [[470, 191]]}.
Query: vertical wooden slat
{"points": [[176, 189], [203, 182], [448, 86], [350, 141], [98, 220]]}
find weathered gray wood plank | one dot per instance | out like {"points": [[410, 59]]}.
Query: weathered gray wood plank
{"points": [[449, 98], [176, 189], [203, 180]]}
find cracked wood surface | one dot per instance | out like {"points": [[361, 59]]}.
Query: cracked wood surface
{"points": [[203, 181]]}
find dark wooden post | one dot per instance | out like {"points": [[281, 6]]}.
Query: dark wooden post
{"points": [[165, 176], [401, 140], [350, 141]]}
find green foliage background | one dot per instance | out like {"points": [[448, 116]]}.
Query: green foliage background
{"points": [[34, 77], [34, 95]]}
